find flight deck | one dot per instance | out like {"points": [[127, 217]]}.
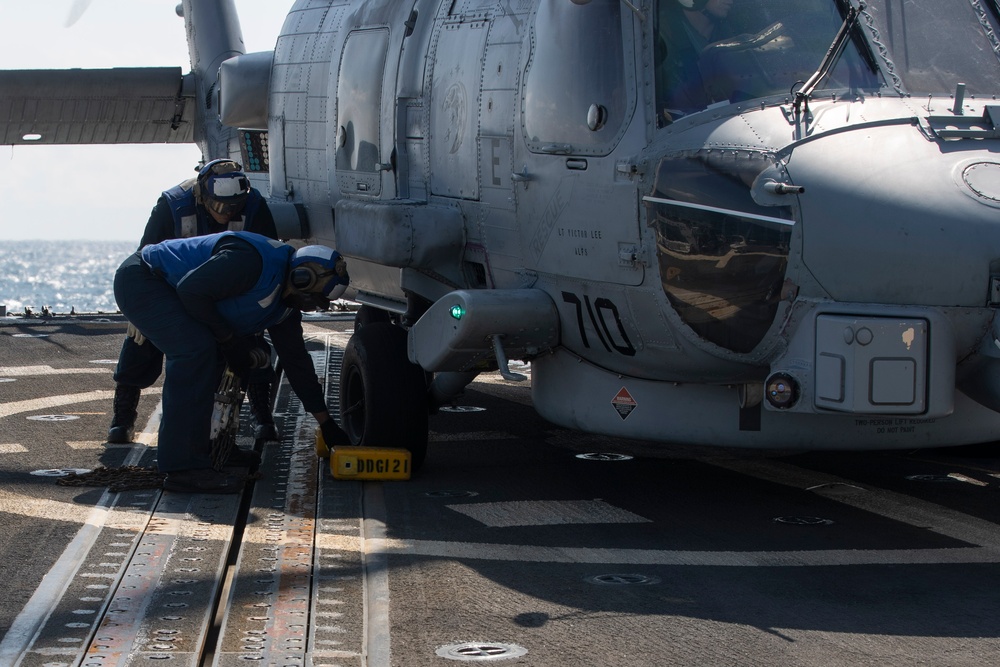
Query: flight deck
{"points": [[517, 542]]}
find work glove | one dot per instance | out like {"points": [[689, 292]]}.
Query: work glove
{"points": [[135, 334], [243, 355], [333, 435]]}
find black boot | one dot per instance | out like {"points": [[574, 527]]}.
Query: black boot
{"points": [[126, 403], [259, 394]]}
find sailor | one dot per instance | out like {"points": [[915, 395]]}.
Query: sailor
{"points": [[218, 199], [194, 298], [686, 28], [702, 19]]}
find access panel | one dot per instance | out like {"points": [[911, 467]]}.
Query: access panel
{"points": [[874, 365]]}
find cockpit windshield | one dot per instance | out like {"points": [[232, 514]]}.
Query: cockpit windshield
{"points": [[932, 46], [724, 51]]}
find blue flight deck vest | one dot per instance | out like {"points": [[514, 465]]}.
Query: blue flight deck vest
{"points": [[188, 223], [248, 313]]}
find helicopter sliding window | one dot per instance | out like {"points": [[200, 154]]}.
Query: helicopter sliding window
{"points": [[575, 89], [359, 109]]}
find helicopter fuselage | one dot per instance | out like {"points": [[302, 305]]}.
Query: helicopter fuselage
{"points": [[511, 181]]}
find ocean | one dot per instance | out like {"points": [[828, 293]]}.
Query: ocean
{"points": [[62, 276]]}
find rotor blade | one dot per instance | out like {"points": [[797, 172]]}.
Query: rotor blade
{"points": [[76, 11]]}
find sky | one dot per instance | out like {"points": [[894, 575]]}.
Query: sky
{"points": [[100, 192]]}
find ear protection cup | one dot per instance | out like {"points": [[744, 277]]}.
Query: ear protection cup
{"points": [[304, 278], [319, 269]]}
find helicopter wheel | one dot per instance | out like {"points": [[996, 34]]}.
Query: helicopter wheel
{"points": [[369, 315], [383, 397]]}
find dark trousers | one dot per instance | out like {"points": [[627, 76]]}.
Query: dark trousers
{"points": [[193, 364], [138, 365]]}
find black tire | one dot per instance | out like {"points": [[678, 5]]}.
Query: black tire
{"points": [[383, 397], [370, 315]]}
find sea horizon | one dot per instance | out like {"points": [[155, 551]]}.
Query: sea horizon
{"points": [[63, 276]]}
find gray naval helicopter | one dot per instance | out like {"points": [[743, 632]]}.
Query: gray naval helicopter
{"points": [[750, 223]]}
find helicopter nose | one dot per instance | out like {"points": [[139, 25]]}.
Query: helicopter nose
{"points": [[906, 218]]}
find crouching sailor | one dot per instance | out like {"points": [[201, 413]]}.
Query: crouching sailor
{"points": [[197, 297], [218, 199]]}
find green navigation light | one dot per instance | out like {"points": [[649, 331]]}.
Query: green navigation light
{"points": [[457, 311]]}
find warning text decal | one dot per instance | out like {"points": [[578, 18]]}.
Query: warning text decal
{"points": [[623, 403]]}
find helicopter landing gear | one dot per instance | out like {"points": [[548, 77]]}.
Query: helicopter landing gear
{"points": [[383, 397], [369, 315]]}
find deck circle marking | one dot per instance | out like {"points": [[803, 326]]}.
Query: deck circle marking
{"points": [[803, 521], [481, 651], [462, 408], [60, 472], [451, 494], [53, 418], [604, 456], [932, 478], [629, 579], [26, 335]]}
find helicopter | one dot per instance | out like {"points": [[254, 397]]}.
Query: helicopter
{"points": [[741, 223]]}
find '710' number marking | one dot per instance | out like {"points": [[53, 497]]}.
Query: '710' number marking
{"points": [[598, 312]]}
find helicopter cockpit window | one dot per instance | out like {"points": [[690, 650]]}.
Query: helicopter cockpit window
{"points": [[933, 46], [723, 51], [575, 98]]}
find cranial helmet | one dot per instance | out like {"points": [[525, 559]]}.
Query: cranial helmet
{"points": [[319, 270], [693, 5], [222, 187]]}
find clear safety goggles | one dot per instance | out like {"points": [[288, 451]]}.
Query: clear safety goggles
{"points": [[224, 208]]}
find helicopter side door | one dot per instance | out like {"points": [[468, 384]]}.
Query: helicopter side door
{"points": [[577, 214]]}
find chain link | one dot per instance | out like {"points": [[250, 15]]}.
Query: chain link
{"points": [[125, 478], [226, 417], [226, 421]]}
